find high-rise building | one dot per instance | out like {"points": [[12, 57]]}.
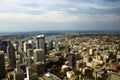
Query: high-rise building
{"points": [[39, 55], [51, 44], [27, 46], [0, 44], [16, 45], [21, 46], [2, 65], [11, 55], [71, 60], [4, 46], [40, 42], [29, 59]]}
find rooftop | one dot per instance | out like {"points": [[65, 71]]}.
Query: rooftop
{"points": [[40, 36]]}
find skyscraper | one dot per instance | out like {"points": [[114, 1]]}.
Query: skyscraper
{"points": [[2, 65], [71, 60], [39, 55], [40, 47], [4, 46], [11, 55], [0, 44], [40, 42], [51, 44]]}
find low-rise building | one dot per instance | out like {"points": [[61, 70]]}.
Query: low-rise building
{"points": [[65, 68], [70, 74]]}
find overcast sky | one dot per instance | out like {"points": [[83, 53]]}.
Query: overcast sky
{"points": [[31, 15]]}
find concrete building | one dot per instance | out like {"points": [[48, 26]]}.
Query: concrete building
{"points": [[39, 55]]}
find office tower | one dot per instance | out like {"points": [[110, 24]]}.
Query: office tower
{"points": [[16, 45], [11, 55], [30, 44], [71, 60], [4, 46], [40, 42], [2, 65], [21, 46], [0, 44], [51, 44], [29, 59], [27, 46], [38, 55]]}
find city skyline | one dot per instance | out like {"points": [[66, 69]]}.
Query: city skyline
{"points": [[50, 15]]}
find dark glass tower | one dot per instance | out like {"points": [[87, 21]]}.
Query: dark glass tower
{"points": [[2, 65], [11, 55]]}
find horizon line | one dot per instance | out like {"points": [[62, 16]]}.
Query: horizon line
{"points": [[55, 31]]}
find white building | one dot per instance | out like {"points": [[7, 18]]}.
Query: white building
{"points": [[70, 74], [25, 46], [89, 64], [90, 51], [64, 68], [118, 55]]}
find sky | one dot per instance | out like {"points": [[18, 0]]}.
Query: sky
{"points": [[32, 15]]}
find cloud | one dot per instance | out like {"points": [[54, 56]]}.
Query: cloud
{"points": [[59, 11], [51, 16], [42, 6], [111, 1]]}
